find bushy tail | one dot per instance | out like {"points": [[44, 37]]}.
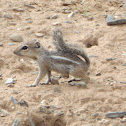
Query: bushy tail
{"points": [[67, 48]]}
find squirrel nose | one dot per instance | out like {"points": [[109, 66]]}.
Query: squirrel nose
{"points": [[16, 53]]}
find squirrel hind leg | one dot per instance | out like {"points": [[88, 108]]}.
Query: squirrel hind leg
{"points": [[79, 72]]}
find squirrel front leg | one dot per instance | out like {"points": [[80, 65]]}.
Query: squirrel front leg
{"points": [[48, 77], [42, 73]]}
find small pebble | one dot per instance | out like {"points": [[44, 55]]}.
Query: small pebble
{"points": [[13, 100], [4, 113], [95, 114], [28, 5], [27, 27], [71, 15], [11, 44], [15, 92], [60, 113], [1, 44], [115, 114], [93, 56], [69, 22], [43, 109], [18, 9], [104, 121], [124, 54], [16, 38], [30, 21], [90, 18], [39, 35], [10, 81], [45, 103], [16, 123], [123, 120], [23, 103], [7, 16], [66, 4], [54, 16], [110, 59], [124, 64], [110, 21], [98, 74], [56, 24]]}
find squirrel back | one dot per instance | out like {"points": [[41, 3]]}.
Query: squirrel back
{"points": [[67, 48]]}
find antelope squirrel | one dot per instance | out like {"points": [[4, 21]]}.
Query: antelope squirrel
{"points": [[65, 60]]}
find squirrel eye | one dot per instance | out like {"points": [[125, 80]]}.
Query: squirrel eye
{"points": [[24, 47]]}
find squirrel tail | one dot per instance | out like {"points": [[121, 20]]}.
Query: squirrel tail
{"points": [[67, 48]]}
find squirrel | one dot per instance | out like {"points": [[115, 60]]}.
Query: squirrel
{"points": [[65, 60]]}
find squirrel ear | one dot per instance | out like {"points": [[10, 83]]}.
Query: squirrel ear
{"points": [[37, 45]]}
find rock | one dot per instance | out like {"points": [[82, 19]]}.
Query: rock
{"points": [[90, 18], [98, 74], [10, 81], [69, 22], [56, 24], [28, 5], [66, 4], [1, 77], [12, 23], [124, 64], [123, 120], [13, 100], [78, 83], [15, 92], [55, 107], [1, 44], [95, 114], [23, 103], [114, 115], [60, 113], [92, 56], [123, 82], [30, 21], [50, 111], [66, 11], [110, 59], [18, 9], [16, 38], [27, 27], [4, 113], [48, 17], [71, 14], [54, 16], [43, 109], [83, 1], [39, 35], [54, 81], [7, 16], [45, 103], [104, 121], [82, 118], [16, 123], [124, 54], [11, 44], [110, 21]]}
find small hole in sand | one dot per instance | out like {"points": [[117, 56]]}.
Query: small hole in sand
{"points": [[92, 43]]}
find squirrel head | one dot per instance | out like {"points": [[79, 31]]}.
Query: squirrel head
{"points": [[30, 49]]}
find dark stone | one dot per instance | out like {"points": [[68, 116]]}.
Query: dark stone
{"points": [[110, 21], [114, 115]]}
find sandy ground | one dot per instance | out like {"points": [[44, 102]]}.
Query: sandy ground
{"points": [[67, 105]]}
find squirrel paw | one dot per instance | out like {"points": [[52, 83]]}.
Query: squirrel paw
{"points": [[32, 85]]}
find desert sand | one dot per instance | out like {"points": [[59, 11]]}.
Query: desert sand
{"points": [[83, 23]]}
